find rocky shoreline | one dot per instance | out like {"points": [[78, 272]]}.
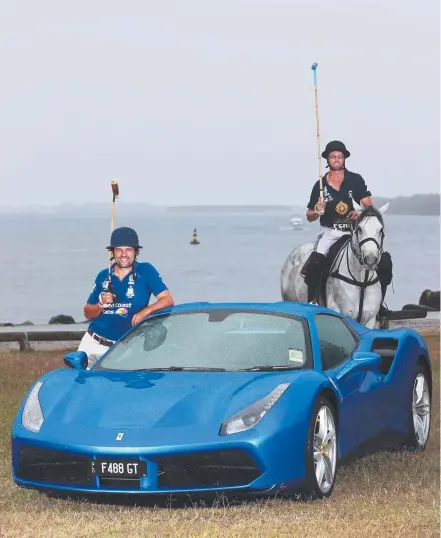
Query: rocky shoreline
{"points": [[60, 319]]}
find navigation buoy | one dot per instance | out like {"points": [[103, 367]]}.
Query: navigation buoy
{"points": [[195, 240]]}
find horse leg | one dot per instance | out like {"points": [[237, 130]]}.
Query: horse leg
{"points": [[371, 305], [342, 297], [371, 323], [332, 303]]}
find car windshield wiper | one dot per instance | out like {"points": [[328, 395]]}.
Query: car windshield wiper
{"points": [[268, 368], [181, 368], [162, 368], [203, 369]]}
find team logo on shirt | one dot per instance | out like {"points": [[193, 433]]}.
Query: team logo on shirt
{"points": [[326, 194], [105, 284], [122, 312], [342, 208], [130, 292]]}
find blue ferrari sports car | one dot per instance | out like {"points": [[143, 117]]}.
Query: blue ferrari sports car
{"points": [[235, 398]]}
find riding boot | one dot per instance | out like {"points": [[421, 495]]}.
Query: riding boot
{"points": [[384, 272], [314, 273], [383, 309], [312, 292]]}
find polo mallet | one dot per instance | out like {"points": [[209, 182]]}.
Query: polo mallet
{"points": [[115, 194], [314, 68]]}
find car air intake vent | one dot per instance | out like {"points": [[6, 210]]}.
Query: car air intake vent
{"points": [[386, 347], [206, 469], [54, 467]]}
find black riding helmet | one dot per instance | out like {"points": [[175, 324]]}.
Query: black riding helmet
{"points": [[335, 145]]}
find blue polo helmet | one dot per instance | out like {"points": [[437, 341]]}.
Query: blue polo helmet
{"points": [[124, 237]]}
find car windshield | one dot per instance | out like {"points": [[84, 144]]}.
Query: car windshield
{"points": [[213, 340]]}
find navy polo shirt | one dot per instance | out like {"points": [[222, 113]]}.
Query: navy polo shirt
{"points": [[353, 186], [133, 294]]}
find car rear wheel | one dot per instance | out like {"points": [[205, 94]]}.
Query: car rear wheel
{"points": [[421, 411], [321, 451]]}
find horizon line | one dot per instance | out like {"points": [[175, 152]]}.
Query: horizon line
{"points": [[195, 204]]}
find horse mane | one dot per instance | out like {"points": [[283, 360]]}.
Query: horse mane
{"points": [[370, 211]]}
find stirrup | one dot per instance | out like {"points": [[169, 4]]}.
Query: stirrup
{"points": [[383, 309]]}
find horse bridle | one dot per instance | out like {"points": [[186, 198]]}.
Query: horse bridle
{"points": [[356, 249]]}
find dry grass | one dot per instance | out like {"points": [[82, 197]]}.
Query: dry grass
{"points": [[388, 494]]}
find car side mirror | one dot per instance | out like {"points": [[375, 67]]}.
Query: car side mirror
{"points": [[76, 359], [360, 361]]}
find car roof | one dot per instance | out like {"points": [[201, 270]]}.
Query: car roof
{"points": [[282, 307], [305, 310]]}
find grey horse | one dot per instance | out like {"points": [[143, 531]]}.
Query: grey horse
{"points": [[357, 283]]}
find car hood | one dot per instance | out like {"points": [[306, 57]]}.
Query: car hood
{"points": [[152, 400]]}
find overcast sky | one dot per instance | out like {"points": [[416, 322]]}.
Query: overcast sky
{"points": [[203, 101]]}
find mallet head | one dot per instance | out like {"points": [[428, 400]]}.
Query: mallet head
{"points": [[115, 188]]}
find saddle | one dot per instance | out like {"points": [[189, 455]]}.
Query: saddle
{"points": [[333, 253]]}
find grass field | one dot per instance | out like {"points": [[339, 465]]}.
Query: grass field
{"points": [[387, 494]]}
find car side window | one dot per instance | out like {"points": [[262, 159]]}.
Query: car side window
{"points": [[336, 340]]}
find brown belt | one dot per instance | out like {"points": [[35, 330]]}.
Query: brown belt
{"points": [[101, 340]]}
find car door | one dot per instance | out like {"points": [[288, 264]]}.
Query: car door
{"points": [[359, 402]]}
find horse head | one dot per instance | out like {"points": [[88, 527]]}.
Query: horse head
{"points": [[368, 234]]}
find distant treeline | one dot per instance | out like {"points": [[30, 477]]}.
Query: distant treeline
{"points": [[418, 204]]}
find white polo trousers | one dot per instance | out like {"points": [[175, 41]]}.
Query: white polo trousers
{"points": [[92, 348], [326, 238]]}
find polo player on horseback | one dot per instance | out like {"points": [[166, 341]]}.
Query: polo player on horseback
{"points": [[336, 212]]}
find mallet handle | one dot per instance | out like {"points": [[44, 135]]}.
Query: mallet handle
{"points": [[314, 68]]}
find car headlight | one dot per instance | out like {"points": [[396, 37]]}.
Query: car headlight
{"points": [[32, 417], [251, 415]]}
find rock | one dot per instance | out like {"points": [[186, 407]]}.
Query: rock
{"points": [[414, 307], [430, 300], [24, 323], [61, 319], [6, 324]]}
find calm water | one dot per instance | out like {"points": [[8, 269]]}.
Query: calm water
{"points": [[50, 263]]}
